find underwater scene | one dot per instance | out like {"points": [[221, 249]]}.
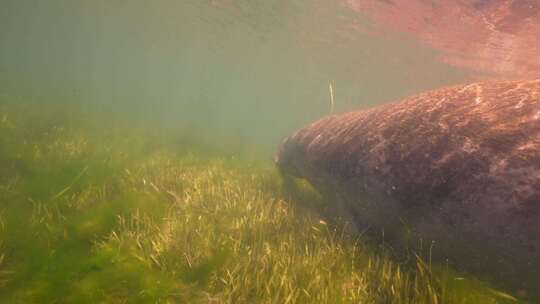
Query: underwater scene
{"points": [[270, 151]]}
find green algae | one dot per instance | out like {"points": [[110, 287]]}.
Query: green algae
{"points": [[116, 214]]}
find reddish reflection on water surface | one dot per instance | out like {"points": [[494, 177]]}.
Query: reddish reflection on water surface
{"points": [[495, 36]]}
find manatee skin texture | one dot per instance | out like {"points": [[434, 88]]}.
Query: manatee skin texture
{"points": [[457, 166]]}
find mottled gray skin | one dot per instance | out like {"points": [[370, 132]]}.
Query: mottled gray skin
{"points": [[459, 166]]}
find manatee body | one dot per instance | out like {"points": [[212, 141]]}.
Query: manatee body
{"points": [[459, 166]]}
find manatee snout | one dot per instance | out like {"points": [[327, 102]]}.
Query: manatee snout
{"points": [[288, 157]]}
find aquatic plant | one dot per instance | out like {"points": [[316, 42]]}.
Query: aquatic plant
{"points": [[106, 212]]}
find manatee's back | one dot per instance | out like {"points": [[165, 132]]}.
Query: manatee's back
{"points": [[461, 164], [425, 146]]}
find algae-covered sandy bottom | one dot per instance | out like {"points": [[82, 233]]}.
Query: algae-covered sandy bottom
{"points": [[102, 210]]}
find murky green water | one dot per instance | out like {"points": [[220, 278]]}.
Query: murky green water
{"points": [[255, 69], [135, 143]]}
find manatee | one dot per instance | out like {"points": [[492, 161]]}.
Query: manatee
{"points": [[457, 168]]}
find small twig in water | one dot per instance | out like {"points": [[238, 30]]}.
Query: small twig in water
{"points": [[331, 89], [70, 185]]}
